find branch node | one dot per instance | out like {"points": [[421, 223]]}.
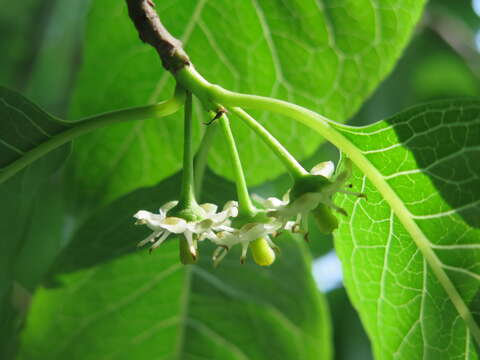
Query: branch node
{"points": [[152, 32]]}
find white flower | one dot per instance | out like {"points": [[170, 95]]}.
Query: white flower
{"points": [[244, 236], [284, 210], [162, 226]]}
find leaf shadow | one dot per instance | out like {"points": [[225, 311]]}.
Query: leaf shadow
{"points": [[444, 138]]}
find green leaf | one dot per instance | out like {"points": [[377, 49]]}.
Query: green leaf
{"points": [[351, 341], [55, 64], [20, 38], [31, 225], [27, 133], [411, 256], [323, 55], [111, 300], [23, 127]]}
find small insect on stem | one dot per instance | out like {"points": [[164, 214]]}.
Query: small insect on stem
{"points": [[217, 116], [151, 3]]}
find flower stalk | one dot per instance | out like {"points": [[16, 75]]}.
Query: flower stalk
{"points": [[293, 166], [246, 207], [187, 194]]}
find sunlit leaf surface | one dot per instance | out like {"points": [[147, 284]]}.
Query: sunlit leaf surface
{"points": [[429, 156]]}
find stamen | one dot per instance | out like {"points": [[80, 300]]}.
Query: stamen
{"points": [[219, 254], [272, 245], [357, 194], [244, 253], [339, 209], [191, 244], [161, 238]]}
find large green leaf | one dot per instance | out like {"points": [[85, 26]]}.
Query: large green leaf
{"points": [[21, 26], [23, 127], [326, 55], [108, 300], [351, 341], [55, 63], [412, 256], [31, 231]]}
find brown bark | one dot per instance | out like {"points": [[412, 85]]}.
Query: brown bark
{"points": [[152, 31]]}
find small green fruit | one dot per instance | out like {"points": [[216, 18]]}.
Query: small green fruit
{"points": [[262, 253], [325, 219]]}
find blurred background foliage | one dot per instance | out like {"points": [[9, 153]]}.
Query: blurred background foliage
{"points": [[41, 47]]}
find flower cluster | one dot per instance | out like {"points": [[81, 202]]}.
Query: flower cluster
{"points": [[312, 194], [210, 221]]}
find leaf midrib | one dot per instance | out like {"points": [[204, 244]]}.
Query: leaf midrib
{"points": [[405, 217], [331, 132]]}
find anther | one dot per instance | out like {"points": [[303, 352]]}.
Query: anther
{"points": [[306, 237]]}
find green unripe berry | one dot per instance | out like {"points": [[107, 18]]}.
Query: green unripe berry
{"points": [[326, 221], [262, 253]]}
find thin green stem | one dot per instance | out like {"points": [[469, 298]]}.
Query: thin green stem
{"points": [[292, 165], [245, 203], [84, 126], [201, 158], [187, 194]]}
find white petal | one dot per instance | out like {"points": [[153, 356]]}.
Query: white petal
{"points": [[229, 210], [208, 235], [289, 225], [174, 224], [258, 199], [220, 218], [227, 238], [231, 207], [167, 207], [253, 231], [153, 221], [306, 202], [200, 226], [325, 169], [272, 203], [142, 215], [224, 227], [210, 209]]}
